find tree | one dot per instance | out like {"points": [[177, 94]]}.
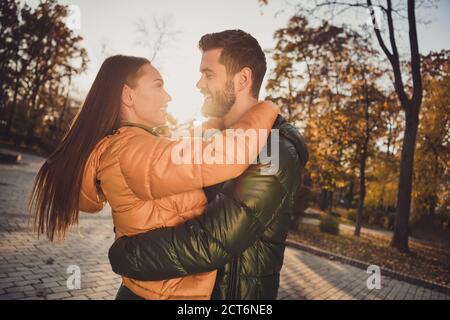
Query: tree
{"points": [[431, 174], [45, 53], [306, 82], [410, 103], [12, 66], [8, 23], [369, 120], [56, 52], [325, 80]]}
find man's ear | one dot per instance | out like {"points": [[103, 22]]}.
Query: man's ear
{"points": [[127, 96], [244, 79]]}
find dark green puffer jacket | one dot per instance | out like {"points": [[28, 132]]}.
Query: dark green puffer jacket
{"points": [[242, 232]]}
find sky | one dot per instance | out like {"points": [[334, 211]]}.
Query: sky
{"points": [[111, 24]]}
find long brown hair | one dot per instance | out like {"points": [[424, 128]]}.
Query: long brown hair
{"points": [[55, 196]]}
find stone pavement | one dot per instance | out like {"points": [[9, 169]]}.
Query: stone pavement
{"points": [[32, 268], [307, 276]]}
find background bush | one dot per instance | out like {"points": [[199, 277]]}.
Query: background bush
{"points": [[329, 224]]}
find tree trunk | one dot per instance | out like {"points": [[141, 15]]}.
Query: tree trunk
{"points": [[363, 160], [65, 106], [362, 193], [330, 202], [323, 199], [362, 178], [412, 109], [401, 228], [13, 106], [349, 197]]}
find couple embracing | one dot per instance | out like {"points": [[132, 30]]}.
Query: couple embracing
{"points": [[191, 229]]}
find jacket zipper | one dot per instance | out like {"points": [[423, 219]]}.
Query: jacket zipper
{"points": [[233, 277]]}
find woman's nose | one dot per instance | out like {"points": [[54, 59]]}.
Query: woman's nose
{"points": [[169, 97]]}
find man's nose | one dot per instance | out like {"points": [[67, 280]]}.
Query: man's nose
{"points": [[200, 83]]}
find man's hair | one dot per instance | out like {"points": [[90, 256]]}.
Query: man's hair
{"points": [[239, 50]]}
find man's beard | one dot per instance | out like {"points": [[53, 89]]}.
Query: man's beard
{"points": [[220, 102]]}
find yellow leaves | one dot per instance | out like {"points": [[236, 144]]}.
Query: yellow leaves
{"points": [[341, 183]]}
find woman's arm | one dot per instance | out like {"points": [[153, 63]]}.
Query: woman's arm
{"points": [[155, 167], [91, 199]]}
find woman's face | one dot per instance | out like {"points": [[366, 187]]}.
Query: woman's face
{"points": [[146, 102]]}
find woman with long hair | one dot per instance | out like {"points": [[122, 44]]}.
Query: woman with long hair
{"points": [[113, 153]]}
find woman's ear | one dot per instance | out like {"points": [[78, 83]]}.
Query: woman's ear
{"points": [[127, 96]]}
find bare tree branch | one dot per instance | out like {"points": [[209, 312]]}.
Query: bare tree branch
{"points": [[158, 37]]}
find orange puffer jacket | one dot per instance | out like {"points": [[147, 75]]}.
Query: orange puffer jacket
{"points": [[133, 170]]}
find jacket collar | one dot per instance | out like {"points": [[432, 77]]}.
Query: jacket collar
{"points": [[153, 131], [291, 133]]}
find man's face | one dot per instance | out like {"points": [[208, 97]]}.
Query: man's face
{"points": [[216, 87]]}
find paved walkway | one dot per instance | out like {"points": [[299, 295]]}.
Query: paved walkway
{"points": [[33, 268]]}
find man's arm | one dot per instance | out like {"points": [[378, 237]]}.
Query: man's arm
{"points": [[233, 221]]}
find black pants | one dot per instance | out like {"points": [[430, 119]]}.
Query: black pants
{"points": [[126, 294]]}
